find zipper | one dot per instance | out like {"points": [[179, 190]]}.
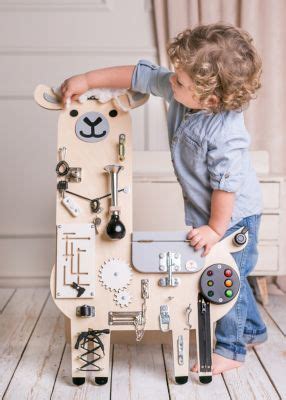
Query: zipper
{"points": [[204, 334]]}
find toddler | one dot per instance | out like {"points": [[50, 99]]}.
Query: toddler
{"points": [[217, 73]]}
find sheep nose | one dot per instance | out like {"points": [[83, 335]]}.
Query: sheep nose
{"points": [[92, 127]]}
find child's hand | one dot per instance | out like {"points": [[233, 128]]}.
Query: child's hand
{"points": [[204, 236], [73, 87]]}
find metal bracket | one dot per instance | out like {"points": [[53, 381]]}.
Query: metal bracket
{"points": [[122, 139], [189, 311], [145, 288], [85, 311], [180, 347], [170, 263], [164, 318]]}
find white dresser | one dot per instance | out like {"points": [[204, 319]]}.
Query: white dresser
{"points": [[158, 205]]}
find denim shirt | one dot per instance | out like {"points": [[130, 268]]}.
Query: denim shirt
{"points": [[208, 150]]}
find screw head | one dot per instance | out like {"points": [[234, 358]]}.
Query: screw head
{"points": [[161, 255]]}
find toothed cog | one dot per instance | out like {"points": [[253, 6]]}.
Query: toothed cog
{"points": [[122, 299], [115, 274]]}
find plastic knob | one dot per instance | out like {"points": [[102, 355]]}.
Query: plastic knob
{"points": [[239, 239], [115, 228]]}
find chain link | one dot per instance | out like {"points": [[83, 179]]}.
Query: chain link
{"points": [[140, 320]]}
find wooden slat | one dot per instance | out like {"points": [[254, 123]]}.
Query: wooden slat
{"points": [[249, 382], [272, 354], [17, 322], [276, 307], [64, 389], [138, 373], [37, 370], [5, 295], [193, 389]]}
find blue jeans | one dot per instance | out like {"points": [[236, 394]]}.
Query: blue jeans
{"points": [[243, 324]]}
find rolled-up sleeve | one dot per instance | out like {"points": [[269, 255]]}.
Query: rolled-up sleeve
{"points": [[225, 160], [150, 78]]}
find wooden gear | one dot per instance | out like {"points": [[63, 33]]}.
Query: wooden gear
{"points": [[144, 282]]}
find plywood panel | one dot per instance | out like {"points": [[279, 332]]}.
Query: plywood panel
{"points": [[26, 257], [271, 194], [52, 67], [73, 28]]}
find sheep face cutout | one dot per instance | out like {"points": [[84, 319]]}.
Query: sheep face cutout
{"points": [[91, 121]]}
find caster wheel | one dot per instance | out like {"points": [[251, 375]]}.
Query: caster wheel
{"points": [[205, 379], [180, 380], [78, 381], [101, 380]]}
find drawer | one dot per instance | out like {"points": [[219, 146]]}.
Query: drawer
{"points": [[270, 194], [267, 259], [269, 227]]}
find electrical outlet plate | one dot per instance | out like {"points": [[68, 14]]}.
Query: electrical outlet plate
{"points": [[75, 260]]}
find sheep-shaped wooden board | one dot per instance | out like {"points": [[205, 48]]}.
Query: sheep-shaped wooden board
{"points": [[108, 279]]}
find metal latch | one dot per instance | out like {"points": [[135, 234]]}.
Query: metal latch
{"points": [[124, 317], [170, 263], [164, 318], [180, 347]]}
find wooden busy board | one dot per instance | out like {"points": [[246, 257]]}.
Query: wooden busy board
{"points": [[135, 282]]}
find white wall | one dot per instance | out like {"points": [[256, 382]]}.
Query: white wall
{"points": [[46, 41]]}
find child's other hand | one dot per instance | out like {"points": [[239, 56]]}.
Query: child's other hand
{"points": [[204, 236], [73, 87]]}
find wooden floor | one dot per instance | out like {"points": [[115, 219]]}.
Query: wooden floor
{"points": [[35, 360]]}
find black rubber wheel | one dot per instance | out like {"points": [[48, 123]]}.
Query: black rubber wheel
{"points": [[205, 379], [101, 380], [78, 381], [181, 380]]}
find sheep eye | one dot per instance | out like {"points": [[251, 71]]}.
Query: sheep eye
{"points": [[73, 113], [113, 113]]}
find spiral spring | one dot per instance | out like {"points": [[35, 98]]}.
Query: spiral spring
{"points": [[83, 340]]}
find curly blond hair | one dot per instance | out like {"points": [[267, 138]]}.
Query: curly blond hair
{"points": [[222, 61]]}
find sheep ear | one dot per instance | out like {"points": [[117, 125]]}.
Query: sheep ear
{"points": [[130, 100], [46, 98]]}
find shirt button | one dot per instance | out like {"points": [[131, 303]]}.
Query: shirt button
{"points": [[226, 175]]}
